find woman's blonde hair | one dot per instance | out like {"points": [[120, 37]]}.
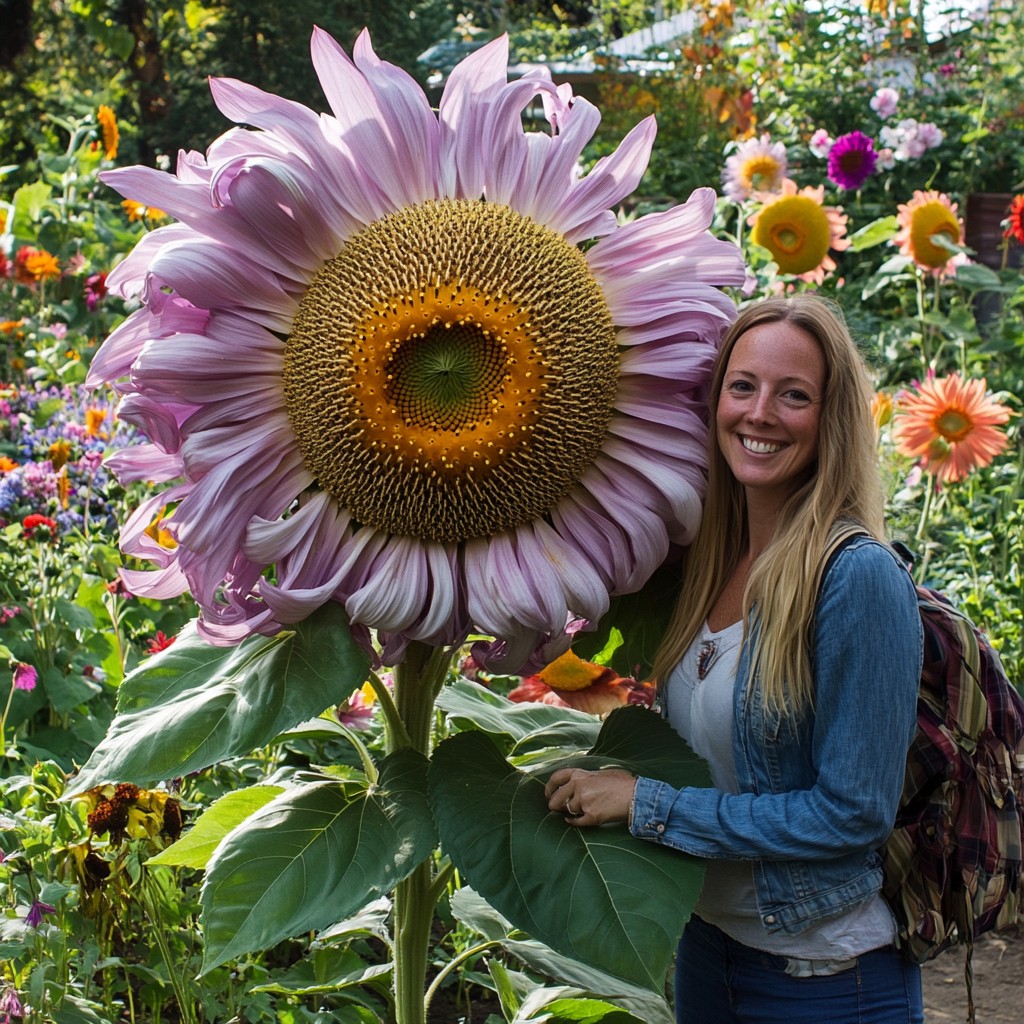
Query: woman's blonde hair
{"points": [[845, 488]]}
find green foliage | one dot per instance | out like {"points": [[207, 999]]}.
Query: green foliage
{"points": [[495, 825]]}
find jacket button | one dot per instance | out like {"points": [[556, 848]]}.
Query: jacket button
{"points": [[660, 829], [770, 919]]}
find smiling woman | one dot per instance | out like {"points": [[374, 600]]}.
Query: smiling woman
{"points": [[384, 372]]}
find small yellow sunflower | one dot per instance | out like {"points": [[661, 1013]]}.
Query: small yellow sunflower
{"points": [[108, 126], [799, 230], [926, 215]]}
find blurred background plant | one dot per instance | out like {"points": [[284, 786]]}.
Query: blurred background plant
{"points": [[870, 151]]}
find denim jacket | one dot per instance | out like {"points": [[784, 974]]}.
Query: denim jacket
{"points": [[818, 791]]}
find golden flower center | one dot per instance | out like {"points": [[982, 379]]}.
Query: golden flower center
{"points": [[953, 425], [761, 172], [796, 231], [933, 218], [451, 372]]}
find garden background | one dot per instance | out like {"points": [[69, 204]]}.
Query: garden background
{"points": [[873, 152]]}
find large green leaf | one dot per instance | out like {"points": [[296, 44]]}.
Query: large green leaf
{"points": [[197, 846], [597, 895], [195, 704], [527, 726], [472, 910], [314, 855]]}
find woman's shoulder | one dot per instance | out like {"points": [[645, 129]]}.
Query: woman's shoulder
{"points": [[865, 562]]}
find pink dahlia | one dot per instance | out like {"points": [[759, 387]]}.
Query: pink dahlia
{"points": [[379, 367], [851, 160]]}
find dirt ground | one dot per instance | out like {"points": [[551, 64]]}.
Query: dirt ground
{"points": [[998, 983]]}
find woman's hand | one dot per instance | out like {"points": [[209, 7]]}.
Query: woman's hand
{"points": [[590, 798]]}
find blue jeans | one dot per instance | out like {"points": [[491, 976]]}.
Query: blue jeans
{"points": [[721, 981]]}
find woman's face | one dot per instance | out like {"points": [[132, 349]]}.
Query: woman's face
{"points": [[769, 410]]}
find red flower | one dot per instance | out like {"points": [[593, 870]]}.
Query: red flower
{"points": [[1015, 220], [159, 643], [95, 289], [31, 523]]}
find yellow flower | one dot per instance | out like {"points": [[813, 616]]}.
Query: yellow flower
{"points": [[59, 452], [111, 136], [950, 426], [139, 211], [39, 265], [926, 215], [158, 532], [798, 230], [95, 417], [881, 409]]}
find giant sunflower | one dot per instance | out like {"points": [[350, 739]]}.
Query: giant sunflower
{"points": [[927, 215], [798, 230], [377, 365], [951, 426]]}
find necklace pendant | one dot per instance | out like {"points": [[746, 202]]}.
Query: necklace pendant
{"points": [[706, 657]]}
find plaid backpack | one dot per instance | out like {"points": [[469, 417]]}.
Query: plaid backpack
{"points": [[952, 864]]}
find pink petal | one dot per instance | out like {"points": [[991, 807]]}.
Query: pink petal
{"points": [[468, 94]]}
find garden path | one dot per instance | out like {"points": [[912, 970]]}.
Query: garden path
{"points": [[998, 983]]}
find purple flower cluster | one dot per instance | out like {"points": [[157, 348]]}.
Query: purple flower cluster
{"points": [[53, 442]]}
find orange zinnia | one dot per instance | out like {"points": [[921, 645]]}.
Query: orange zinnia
{"points": [[950, 425], [1015, 220]]}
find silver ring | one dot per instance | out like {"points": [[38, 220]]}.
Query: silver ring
{"points": [[570, 811]]}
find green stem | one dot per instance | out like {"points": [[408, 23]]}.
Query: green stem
{"points": [[417, 682], [185, 1007], [452, 964]]}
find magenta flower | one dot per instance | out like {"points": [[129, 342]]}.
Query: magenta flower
{"points": [[34, 917], [380, 364], [25, 676], [851, 160]]}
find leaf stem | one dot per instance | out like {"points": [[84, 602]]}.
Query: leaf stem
{"points": [[452, 964]]}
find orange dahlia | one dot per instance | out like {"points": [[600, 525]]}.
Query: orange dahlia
{"points": [[797, 228], [1015, 220], [951, 426], [927, 215]]}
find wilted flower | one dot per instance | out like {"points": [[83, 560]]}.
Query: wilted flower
{"points": [[798, 230], [852, 160], [384, 368], [10, 1005], [884, 102], [758, 165], [25, 676], [950, 425], [926, 215]]}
